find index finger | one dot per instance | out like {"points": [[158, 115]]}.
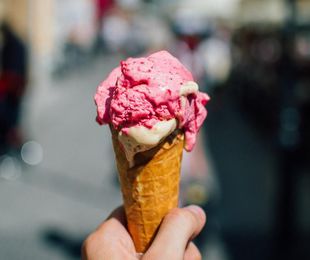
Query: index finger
{"points": [[110, 240]]}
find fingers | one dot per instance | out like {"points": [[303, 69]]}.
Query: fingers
{"points": [[192, 252], [177, 228], [114, 226], [110, 240]]}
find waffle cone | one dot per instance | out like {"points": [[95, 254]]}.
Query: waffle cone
{"points": [[150, 188]]}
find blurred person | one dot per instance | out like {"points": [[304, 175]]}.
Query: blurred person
{"points": [[13, 79], [75, 35], [118, 28], [196, 39], [133, 27], [111, 239], [215, 54], [151, 31], [191, 31], [129, 5], [102, 7], [115, 30]]}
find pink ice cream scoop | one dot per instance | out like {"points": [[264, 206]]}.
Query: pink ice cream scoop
{"points": [[145, 91]]}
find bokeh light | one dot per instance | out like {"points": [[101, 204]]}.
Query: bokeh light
{"points": [[32, 153], [10, 168]]}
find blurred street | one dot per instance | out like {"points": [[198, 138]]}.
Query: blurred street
{"points": [[250, 166], [49, 209]]}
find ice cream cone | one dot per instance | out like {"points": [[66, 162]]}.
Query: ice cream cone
{"points": [[150, 188], [156, 105]]}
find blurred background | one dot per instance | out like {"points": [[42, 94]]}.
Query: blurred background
{"points": [[250, 167]]}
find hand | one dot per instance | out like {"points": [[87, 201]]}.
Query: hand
{"points": [[112, 241]]}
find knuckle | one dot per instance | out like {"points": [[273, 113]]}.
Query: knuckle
{"points": [[175, 213], [88, 244], [192, 252], [107, 228], [196, 255], [181, 216], [98, 236]]}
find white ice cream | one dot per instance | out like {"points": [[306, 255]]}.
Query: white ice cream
{"points": [[188, 88], [140, 138]]}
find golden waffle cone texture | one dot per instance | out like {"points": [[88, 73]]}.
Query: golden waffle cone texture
{"points": [[151, 188]]}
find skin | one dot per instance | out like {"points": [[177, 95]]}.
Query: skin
{"points": [[112, 241]]}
